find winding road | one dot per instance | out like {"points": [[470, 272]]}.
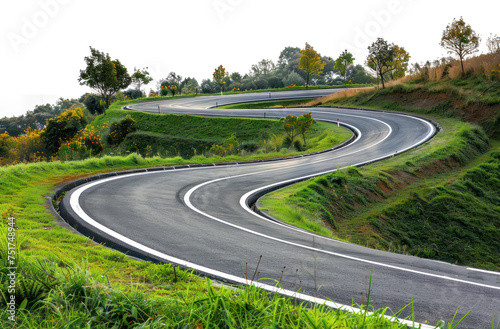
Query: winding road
{"points": [[200, 217]]}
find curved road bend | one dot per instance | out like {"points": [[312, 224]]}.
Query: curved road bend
{"points": [[197, 217]]}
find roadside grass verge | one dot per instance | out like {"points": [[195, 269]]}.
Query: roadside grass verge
{"points": [[440, 200], [64, 280]]}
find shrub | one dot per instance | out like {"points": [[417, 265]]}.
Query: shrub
{"points": [[93, 103], [275, 83], [63, 128], [163, 91], [74, 150], [261, 84], [293, 78], [120, 130], [133, 93], [228, 147], [207, 86]]}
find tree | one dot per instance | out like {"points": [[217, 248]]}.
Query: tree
{"points": [[400, 62], [460, 39], [304, 122], [263, 68], [141, 77], [236, 77], [290, 125], [175, 79], [288, 61], [342, 64], [104, 75], [493, 43], [384, 58], [207, 86], [219, 76], [310, 62], [189, 85]]}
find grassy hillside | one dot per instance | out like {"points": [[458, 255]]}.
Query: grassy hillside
{"points": [[188, 136], [439, 201]]}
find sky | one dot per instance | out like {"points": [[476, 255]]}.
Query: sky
{"points": [[44, 42]]}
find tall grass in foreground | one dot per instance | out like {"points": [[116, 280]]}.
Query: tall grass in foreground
{"points": [[53, 292]]}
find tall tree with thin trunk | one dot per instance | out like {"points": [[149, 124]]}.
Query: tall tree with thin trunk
{"points": [[460, 39], [219, 76], [342, 64], [310, 62]]}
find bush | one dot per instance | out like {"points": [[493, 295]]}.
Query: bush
{"points": [[93, 103], [133, 93], [228, 147], [275, 83], [120, 130], [63, 128], [249, 85], [293, 78], [163, 91], [297, 145], [207, 86], [262, 84]]}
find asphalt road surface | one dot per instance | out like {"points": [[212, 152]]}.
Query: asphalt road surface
{"points": [[200, 218]]}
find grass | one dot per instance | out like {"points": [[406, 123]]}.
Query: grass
{"points": [[192, 136], [65, 280]]}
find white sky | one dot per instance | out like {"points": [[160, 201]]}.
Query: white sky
{"points": [[44, 42]]}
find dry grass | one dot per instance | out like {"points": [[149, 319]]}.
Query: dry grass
{"points": [[341, 94], [475, 66]]}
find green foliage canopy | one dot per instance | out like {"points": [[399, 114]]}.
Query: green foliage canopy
{"points": [[342, 63], [386, 58], [104, 75]]}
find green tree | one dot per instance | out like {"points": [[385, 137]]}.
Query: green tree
{"points": [[175, 79], [219, 76], [304, 122], [189, 85], [460, 39], [141, 77], [62, 129], [342, 64], [236, 77], [104, 75], [290, 125], [385, 58], [310, 62]]}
